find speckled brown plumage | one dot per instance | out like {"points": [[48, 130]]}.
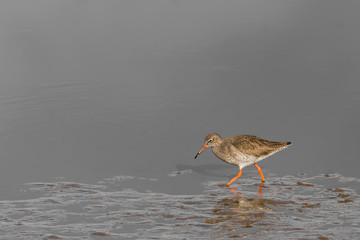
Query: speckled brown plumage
{"points": [[242, 150]]}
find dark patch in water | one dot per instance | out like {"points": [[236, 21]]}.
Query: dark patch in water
{"points": [[306, 205], [304, 184], [100, 234], [51, 237], [336, 190]]}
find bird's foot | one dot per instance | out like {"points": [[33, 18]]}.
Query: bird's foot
{"points": [[224, 185]]}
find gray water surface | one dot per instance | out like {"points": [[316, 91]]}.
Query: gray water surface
{"points": [[103, 106]]}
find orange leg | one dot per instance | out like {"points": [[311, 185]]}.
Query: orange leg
{"points": [[261, 185], [239, 174], [259, 169]]}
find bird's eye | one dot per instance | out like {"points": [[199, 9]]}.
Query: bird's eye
{"points": [[210, 140]]}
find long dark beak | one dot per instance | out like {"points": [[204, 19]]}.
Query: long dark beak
{"points": [[203, 148]]}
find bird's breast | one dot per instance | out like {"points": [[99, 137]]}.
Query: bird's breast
{"points": [[230, 154]]}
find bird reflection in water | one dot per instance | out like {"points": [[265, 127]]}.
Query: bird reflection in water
{"points": [[236, 191], [241, 211]]}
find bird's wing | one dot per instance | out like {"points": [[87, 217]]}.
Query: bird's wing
{"points": [[255, 146]]}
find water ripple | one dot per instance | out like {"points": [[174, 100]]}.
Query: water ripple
{"points": [[289, 207]]}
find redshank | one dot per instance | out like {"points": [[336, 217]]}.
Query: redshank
{"points": [[243, 150]]}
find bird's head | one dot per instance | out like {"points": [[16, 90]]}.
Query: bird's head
{"points": [[211, 140]]}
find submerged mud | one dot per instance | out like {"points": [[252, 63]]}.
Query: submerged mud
{"points": [[292, 207]]}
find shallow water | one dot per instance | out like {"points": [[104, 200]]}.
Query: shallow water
{"points": [[288, 207], [103, 107]]}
